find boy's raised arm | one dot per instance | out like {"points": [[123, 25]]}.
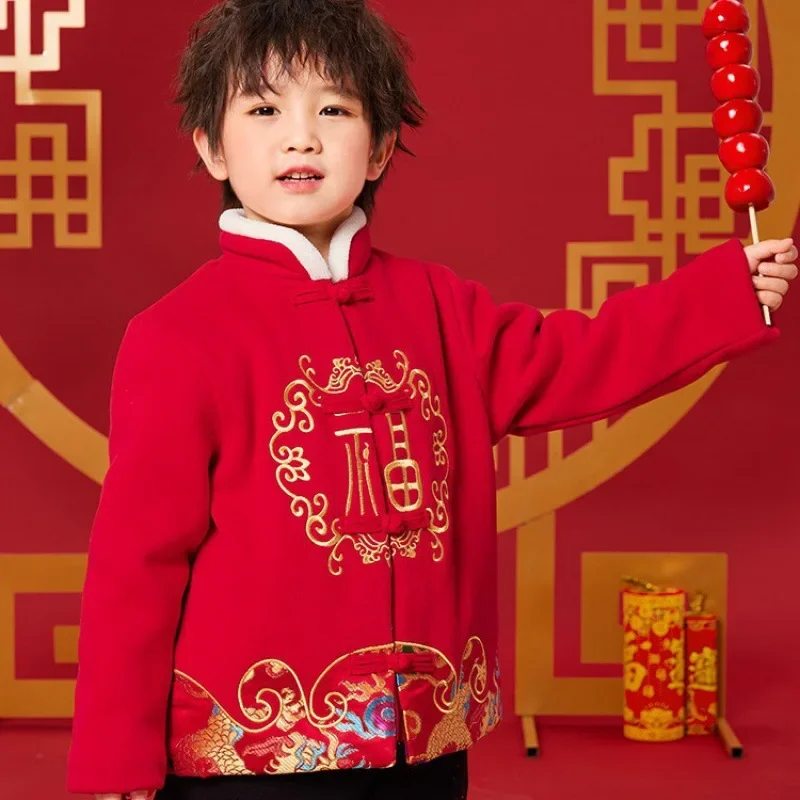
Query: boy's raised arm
{"points": [[541, 374], [153, 513]]}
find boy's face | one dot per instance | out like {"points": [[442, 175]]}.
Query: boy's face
{"points": [[306, 127]]}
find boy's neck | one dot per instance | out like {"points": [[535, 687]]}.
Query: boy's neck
{"points": [[319, 234]]}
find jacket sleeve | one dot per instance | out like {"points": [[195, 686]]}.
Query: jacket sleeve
{"points": [[153, 514], [540, 374]]}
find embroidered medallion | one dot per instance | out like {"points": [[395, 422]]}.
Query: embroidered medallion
{"points": [[373, 535]]}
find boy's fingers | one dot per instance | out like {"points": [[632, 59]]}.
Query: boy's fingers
{"points": [[788, 257], [142, 795], [766, 250], [771, 300], [109, 797], [772, 270], [777, 285]]}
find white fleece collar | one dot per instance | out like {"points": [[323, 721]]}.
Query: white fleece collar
{"points": [[336, 268]]}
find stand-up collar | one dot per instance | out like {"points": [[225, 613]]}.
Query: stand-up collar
{"points": [[349, 250]]}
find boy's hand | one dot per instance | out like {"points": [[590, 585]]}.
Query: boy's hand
{"points": [[772, 267], [143, 794]]}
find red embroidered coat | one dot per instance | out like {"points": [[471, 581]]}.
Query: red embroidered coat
{"points": [[294, 558]]}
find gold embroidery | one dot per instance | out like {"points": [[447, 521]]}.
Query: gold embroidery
{"points": [[226, 747], [344, 370], [216, 743], [375, 374], [450, 730], [413, 723], [369, 548], [431, 408], [261, 703], [293, 466], [406, 545], [475, 685], [292, 704], [402, 476], [396, 473], [277, 713], [359, 471], [453, 697]]}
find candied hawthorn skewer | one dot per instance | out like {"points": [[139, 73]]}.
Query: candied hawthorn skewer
{"points": [[735, 84]]}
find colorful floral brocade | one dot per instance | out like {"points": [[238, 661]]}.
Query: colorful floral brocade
{"points": [[347, 720]]}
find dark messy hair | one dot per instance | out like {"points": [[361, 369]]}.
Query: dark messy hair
{"points": [[348, 43]]}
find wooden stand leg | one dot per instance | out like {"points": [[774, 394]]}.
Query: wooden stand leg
{"points": [[729, 739], [530, 736]]}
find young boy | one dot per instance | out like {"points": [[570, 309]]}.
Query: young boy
{"points": [[291, 585]]}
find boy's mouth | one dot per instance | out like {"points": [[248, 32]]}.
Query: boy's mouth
{"points": [[300, 174]]}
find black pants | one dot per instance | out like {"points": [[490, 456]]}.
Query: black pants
{"points": [[444, 778]]}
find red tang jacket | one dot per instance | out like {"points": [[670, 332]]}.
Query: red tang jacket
{"points": [[293, 562]]}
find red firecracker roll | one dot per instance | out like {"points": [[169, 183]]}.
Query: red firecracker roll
{"points": [[702, 674], [653, 664]]}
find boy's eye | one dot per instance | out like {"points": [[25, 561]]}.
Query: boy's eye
{"points": [[329, 111]]}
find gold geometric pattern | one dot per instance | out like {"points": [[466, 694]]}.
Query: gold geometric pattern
{"points": [[65, 644], [74, 184], [74, 191], [659, 236], [36, 574], [685, 181]]}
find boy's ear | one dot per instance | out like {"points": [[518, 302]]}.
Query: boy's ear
{"points": [[380, 156], [214, 162]]}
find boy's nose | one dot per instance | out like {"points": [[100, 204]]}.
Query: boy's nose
{"points": [[309, 148], [302, 141]]}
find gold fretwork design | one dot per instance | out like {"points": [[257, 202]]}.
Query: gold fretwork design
{"points": [[65, 644], [538, 690], [74, 190], [684, 180], [36, 574], [704, 178], [81, 201]]}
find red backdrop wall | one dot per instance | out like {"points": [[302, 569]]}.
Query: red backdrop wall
{"points": [[512, 165]]}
